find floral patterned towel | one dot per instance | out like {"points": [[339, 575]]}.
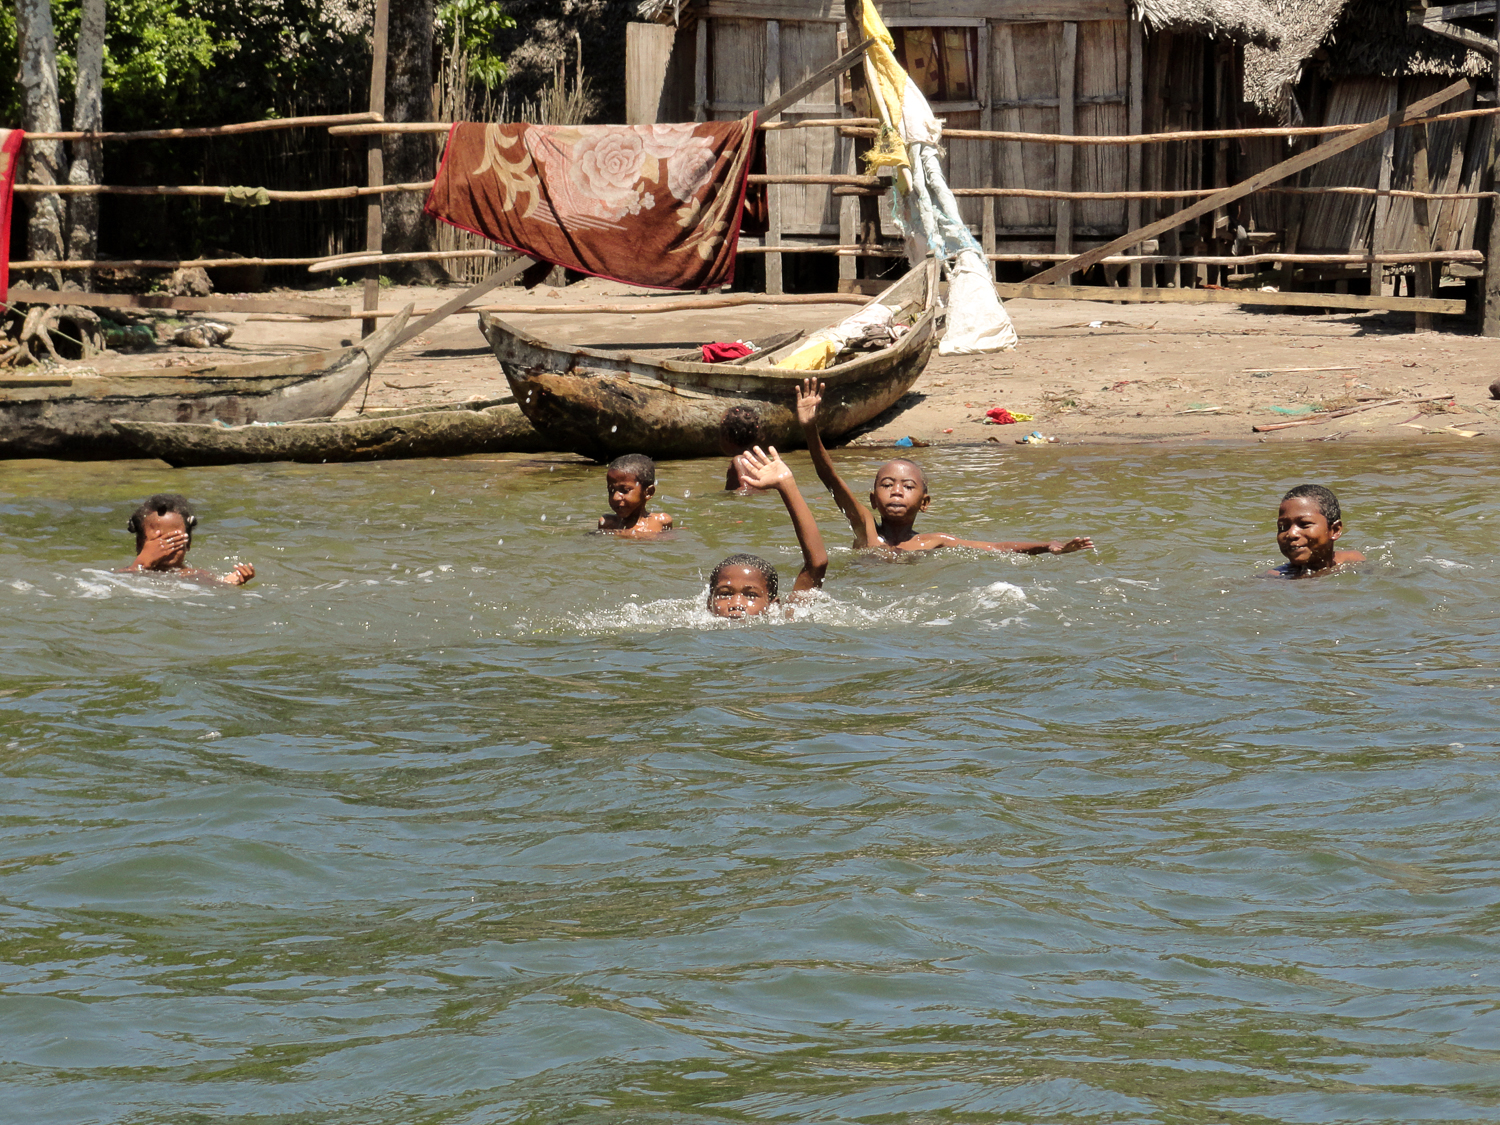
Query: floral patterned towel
{"points": [[10, 156], [653, 205]]}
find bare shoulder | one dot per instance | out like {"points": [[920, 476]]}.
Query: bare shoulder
{"points": [[1342, 557], [663, 520]]}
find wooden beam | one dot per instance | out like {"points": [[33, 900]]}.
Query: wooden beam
{"points": [[178, 304], [1421, 273], [1262, 179], [1135, 122], [1490, 323], [771, 93], [849, 58], [375, 163], [329, 119], [1383, 184], [1442, 12], [984, 85], [1470, 39], [1067, 75], [478, 289], [1031, 291], [700, 70]]}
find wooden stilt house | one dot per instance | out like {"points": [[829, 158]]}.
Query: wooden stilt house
{"points": [[1341, 61], [1057, 67]]}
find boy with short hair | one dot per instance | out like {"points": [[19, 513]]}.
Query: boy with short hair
{"points": [[163, 528], [739, 432], [631, 482], [898, 497], [1308, 523], [747, 585]]}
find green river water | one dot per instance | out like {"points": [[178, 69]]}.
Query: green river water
{"points": [[458, 814]]}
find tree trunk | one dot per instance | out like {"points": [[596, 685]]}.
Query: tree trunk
{"points": [[88, 156], [40, 113], [409, 158]]}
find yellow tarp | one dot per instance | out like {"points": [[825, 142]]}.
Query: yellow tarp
{"points": [[811, 356], [890, 83]]}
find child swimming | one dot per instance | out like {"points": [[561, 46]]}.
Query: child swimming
{"points": [[739, 432], [163, 528], [899, 496], [631, 482], [746, 585], [1307, 525]]}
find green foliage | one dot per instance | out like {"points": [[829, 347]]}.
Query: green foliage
{"points": [[471, 25]]}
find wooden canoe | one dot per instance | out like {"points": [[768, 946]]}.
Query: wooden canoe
{"points": [[450, 430], [603, 404], [67, 414]]}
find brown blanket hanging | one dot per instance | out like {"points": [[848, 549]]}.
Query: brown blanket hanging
{"points": [[652, 205]]}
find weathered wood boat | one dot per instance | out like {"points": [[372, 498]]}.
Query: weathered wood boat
{"points": [[603, 404], [450, 430], [67, 414]]}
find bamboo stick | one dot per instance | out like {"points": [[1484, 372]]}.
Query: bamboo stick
{"points": [[158, 264], [333, 119], [207, 189], [836, 180], [1347, 411], [345, 261], [1165, 138]]}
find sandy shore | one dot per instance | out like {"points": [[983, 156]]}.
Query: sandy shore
{"points": [[1088, 372]]}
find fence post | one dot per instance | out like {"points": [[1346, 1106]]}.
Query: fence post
{"points": [[375, 159]]}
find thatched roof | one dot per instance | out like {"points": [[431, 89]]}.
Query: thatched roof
{"points": [[1347, 39], [1248, 21]]}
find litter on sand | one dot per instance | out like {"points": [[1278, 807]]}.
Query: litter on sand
{"points": [[1036, 437], [999, 416]]}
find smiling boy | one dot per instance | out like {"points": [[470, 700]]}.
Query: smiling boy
{"points": [[746, 585], [1308, 524], [163, 528], [900, 494], [630, 482]]}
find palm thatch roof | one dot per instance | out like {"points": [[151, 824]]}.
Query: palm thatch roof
{"points": [[1248, 21], [1347, 39]]}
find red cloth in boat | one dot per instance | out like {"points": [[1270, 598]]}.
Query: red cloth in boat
{"points": [[10, 157], [718, 353], [652, 205]]}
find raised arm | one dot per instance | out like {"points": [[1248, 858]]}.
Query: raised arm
{"points": [[861, 519], [765, 469], [1023, 547]]}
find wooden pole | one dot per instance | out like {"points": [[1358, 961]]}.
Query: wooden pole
{"points": [[1135, 123], [1383, 183], [1067, 73], [478, 289], [771, 91], [1490, 321], [375, 162], [330, 119], [848, 59], [1270, 176], [1420, 179]]}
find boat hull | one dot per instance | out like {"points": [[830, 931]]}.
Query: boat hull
{"points": [[445, 431], [64, 414], [602, 405]]}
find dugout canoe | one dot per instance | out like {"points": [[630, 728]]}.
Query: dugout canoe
{"points": [[449, 430], [68, 414], [603, 404]]}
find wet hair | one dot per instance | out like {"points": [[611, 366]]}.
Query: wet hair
{"points": [[161, 504], [921, 472], [740, 429], [1326, 501], [638, 465], [754, 562]]}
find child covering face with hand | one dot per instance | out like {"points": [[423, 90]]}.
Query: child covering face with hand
{"points": [[163, 528]]}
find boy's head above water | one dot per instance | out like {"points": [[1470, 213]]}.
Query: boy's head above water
{"points": [[742, 586], [631, 481], [1308, 523], [900, 492], [162, 515]]}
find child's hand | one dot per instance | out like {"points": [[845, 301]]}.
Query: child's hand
{"points": [[1077, 543], [241, 574], [762, 469], [156, 552], [809, 398]]}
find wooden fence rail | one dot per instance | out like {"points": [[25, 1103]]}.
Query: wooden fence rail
{"points": [[332, 119]]}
